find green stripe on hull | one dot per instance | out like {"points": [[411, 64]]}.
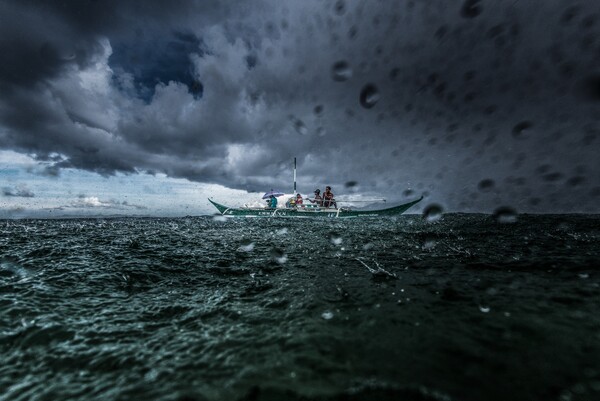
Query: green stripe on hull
{"points": [[312, 212]]}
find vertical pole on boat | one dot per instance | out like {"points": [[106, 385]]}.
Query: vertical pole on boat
{"points": [[294, 176]]}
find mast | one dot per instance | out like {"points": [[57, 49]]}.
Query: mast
{"points": [[294, 176]]}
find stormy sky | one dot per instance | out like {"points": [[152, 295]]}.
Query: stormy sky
{"points": [[476, 104]]}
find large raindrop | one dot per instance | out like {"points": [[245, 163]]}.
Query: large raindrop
{"points": [[300, 127], [341, 71], [433, 212], [471, 9], [278, 255], [521, 129], [486, 185], [335, 238], [505, 215], [369, 96], [340, 7]]}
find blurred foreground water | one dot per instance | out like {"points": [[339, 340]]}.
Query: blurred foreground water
{"points": [[461, 308]]}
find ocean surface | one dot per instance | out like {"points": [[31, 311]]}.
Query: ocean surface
{"points": [[465, 307]]}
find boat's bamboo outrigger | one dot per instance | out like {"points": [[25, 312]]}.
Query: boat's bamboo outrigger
{"points": [[312, 210]]}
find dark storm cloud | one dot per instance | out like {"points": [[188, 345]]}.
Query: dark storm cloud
{"points": [[41, 39], [152, 61], [395, 97]]}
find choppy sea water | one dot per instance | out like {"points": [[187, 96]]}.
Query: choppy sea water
{"points": [[462, 308]]}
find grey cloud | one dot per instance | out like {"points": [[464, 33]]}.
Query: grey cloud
{"points": [[19, 191], [467, 92]]}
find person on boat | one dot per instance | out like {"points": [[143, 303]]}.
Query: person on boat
{"points": [[299, 200], [272, 202], [317, 199], [291, 202], [328, 198]]}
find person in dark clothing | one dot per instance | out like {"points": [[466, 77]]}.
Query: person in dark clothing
{"points": [[317, 199], [328, 198]]}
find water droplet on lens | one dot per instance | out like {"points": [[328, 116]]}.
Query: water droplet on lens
{"points": [[484, 309], [351, 184], [340, 7], [341, 71], [282, 231], [551, 177], [321, 131], [369, 96], [505, 214], [575, 181], [335, 239], [278, 256], [569, 14], [318, 109], [407, 193], [486, 185], [368, 246], [441, 32], [433, 212], [491, 109], [352, 32], [429, 243], [219, 218], [521, 128], [470, 9], [246, 246], [544, 168], [300, 127], [327, 315]]}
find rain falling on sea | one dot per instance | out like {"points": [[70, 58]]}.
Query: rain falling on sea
{"points": [[119, 117], [437, 307]]}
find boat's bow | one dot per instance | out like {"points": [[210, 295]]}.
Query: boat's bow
{"points": [[220, 208]]}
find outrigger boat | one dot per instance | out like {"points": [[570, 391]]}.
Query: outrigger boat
{"points": [[310, 210]]}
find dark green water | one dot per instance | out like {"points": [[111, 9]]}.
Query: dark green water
{"points": [[274, 309]]}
